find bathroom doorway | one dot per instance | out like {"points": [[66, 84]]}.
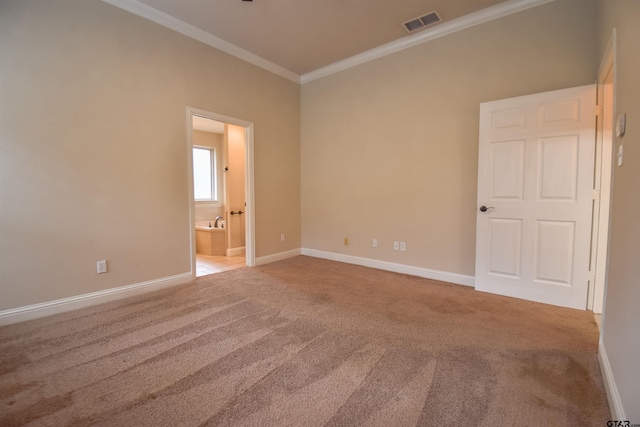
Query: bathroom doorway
{"points": [[220, 165]]}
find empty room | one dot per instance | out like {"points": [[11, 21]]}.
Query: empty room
{"points": [[319, 213]]}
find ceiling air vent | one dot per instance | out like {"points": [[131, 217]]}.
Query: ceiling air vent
{"points": [[422, 22]]}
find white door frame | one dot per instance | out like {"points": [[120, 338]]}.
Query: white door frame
{"points": [[603, 184], [249, 183]]}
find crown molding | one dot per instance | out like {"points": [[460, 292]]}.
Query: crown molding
{"points": [[485, 15], [189, 30]]}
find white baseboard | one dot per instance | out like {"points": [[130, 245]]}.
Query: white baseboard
{"points": [[444, 276], [20, 314], [277, 257], [615, 404], [241, 250]]}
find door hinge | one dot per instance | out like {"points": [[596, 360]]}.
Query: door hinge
{"points": [[591, 276], [596, 194], [598, 110]]}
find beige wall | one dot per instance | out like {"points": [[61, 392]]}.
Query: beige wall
{"points": [[389, 148], [93, 154], [208, 211], [93, 147], [620, 334]]}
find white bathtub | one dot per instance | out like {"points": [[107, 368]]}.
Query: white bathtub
{"points": [[209, 229], [202, 225], [210, 241]]}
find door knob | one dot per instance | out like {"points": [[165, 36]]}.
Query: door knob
{"points": [[485, 208]]}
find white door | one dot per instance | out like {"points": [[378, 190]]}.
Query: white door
{"points": [[535, 179]]}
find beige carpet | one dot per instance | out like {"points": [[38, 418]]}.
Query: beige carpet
{"points": [[305, 342]]}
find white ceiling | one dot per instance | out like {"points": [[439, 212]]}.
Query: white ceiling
{"points": [[207, 125], [297, 38]]}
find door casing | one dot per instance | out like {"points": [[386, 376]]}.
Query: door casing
{"points": [[603, 176], [250, 243]]}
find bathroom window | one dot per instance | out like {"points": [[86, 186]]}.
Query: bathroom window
{"points": [[204, 174]]}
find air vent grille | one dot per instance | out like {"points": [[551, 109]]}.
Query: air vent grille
{"points": [[422, 22]]}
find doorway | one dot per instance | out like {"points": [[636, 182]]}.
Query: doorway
{"points": [[211, 217]]}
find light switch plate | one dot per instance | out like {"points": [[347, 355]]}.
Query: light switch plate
{"points": [[621, 125]]}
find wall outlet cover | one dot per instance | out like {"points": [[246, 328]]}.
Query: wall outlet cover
{"points": [[621, 125], [101, 266]]}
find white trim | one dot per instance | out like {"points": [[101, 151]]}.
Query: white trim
{"points": [[189, 30], [190, 196], [240, 250], [485, 15], [250, 198], [603, 184], [444, 276], [213, 157], [613, 396], [277, 257], [609, 58], [20, 314]]}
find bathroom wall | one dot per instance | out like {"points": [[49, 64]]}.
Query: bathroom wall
{"points": [[234, 147], [208, 211]]}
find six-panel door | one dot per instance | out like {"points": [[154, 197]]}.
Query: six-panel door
{"points": [[535, 176]]}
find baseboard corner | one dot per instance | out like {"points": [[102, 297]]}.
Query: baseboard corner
{"points": [[277, 256], [239, 251], [613, 396]]}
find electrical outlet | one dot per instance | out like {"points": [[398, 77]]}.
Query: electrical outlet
{"points": [[396, 246], [102, 266], [375, 243], [346, 241], [282, 237], [403, 246]]}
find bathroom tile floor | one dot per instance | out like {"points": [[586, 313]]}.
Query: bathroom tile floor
{"points": [[210, 264]]}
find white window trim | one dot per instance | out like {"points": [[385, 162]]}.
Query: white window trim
{"points": [[214, 176]]}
